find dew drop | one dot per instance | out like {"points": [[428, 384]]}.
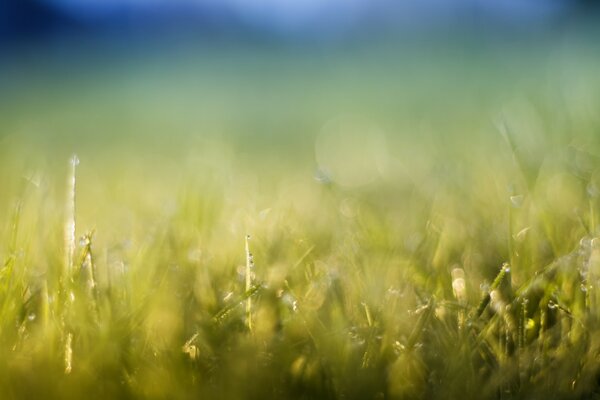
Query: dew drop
{"points": [[517, 201]]}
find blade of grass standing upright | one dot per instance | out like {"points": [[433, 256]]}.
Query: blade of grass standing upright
{"points": [[530, 180], [249, 268], [70, 217], [68, 264]]}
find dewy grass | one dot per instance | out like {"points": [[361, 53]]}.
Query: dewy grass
{"points": [[467, 268], [70, 216], [249, 272], [326, 320], [504, 270], [67, 295]]}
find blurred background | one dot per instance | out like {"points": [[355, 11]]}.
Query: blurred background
{"points": [[79, 75], [261, 20], [188, 65]]}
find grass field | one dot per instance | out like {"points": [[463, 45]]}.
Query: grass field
{"points": [[349, 226]]}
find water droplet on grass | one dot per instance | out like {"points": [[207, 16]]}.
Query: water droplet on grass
{"points": [[517, 200]]}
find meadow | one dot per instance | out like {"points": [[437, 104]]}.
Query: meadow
{"points": [[269, 224]]}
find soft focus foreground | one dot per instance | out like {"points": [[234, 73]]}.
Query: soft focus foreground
{"points": [[417, 229]]}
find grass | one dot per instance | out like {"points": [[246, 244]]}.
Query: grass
{"points": [[460, 261]]}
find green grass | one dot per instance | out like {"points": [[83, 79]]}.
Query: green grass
{"points": [[452, 252]]}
